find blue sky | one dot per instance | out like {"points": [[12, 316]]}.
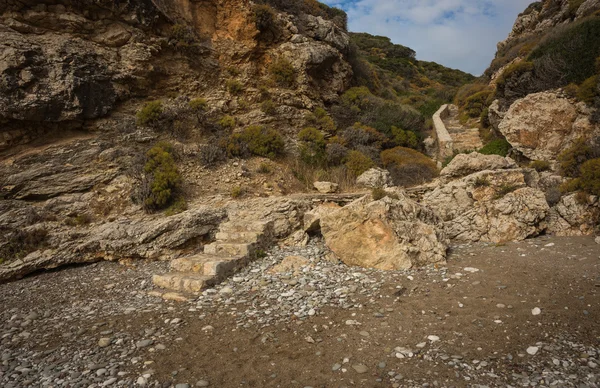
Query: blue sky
{"points": [[460, 34]]}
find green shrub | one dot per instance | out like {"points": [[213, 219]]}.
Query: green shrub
{"points": [[336, 154], [150, 113], [514, 71], [481, 182], [164, 179], [268, 107], [408, 167], [227, 122], [496, 147], [283, 72], [573, 7], [236, 192], [264, 168], [256, 140], [198, 106], [210, 154], [264, 17], [477, 103], [404, 138], [183, 37], [234, 86], [573, 157], [570, 186], [357, 162], [312, 147], [540, 165], [590, 177], [321, 119], [588, 90]]}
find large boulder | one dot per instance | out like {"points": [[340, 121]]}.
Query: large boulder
{"points": [[375, 178], [466, 164], [542, 125], [494, 206], [387, 234], [574, 215]]}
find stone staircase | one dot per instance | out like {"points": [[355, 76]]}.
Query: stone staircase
{"points": [[238, 242], [464, 138]]}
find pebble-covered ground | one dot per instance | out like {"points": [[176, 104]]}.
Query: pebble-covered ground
{"points": [[521, 314]]}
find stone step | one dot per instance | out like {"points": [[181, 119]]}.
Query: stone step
{"points": [[260, 227], [230, 249], [242, 237], [209, 265], [183, 281]]}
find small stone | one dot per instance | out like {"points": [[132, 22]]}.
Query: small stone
{"points": [[433, 338], [364, 333], [202, 383], [336, 367], [226, 291], [536, 311], [182, 386], [174, 297], [471, 269], [597, 240], [532, 350], [360, 368], [381, 365], [143, 343], [104, 342], [500, 306], [141, 381]]}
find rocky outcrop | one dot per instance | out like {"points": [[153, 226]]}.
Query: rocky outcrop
{"points": [[375, 178], [574, 215], [386, 234], [467, 164], [541, 125], [489, 205], [153, 238]]}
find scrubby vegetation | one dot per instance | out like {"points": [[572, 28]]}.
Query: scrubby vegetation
{"points": [[256, 140], [150, 113], [311, 7], [160, 180], [408, 167], [581, 162], [283, 72], [496, 147], [540, 165]]}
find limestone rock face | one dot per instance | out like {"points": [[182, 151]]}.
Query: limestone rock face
{"points": [[386, 234], [466, 164], [489, 205], [541, 125], [325, 31], [375, 178], [574, 217], [312, 218]]}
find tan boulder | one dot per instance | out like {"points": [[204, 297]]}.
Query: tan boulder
{"points": [[312, 218], [387, 234], [542, 125], [375, 178], [466, 164], [326, 187]]}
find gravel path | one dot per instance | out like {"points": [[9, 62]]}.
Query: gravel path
{"points": [[524, 314]]}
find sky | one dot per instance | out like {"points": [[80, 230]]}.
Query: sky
{"points": [[461, 34]]}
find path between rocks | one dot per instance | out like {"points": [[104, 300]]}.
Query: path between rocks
{"points": [[464, 138], [474, 322]]}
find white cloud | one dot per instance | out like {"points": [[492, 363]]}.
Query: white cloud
{"points": [[456, 33]]}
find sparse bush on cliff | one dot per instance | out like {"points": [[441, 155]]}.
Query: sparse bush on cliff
{"points": [[336, 154], [590, 177], [496, 147], [357, 163], [268, 107], [540, 165], [163, 178], [312, 147], [408, 167], [227, 122], [404, 138], [150, 113], [283, 73], [571, 159], [321, 120], [256, 140], [588, 90], [183, 38], [211, 154], [198, 106], [264, 17], [234, 86]]}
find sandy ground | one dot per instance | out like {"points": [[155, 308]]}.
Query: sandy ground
{"points": [[472, 323]]}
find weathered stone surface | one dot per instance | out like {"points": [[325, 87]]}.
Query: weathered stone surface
{"points": [[312, 218], [290, 264], [466, 164], [573, 217], [492, 206], [385, 234], [151, 237], [326, 187], [326, 31], [374, 178], [541, 125]]}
